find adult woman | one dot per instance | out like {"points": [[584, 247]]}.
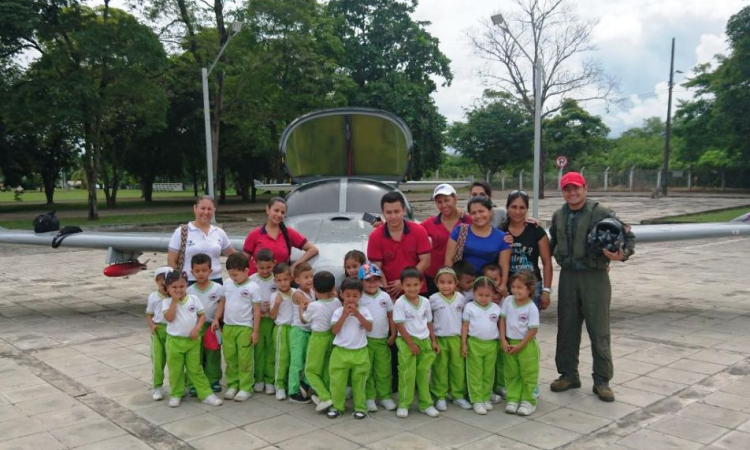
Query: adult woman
{"points": [[482, 188], [199, 236], [439, 228], [275, 235], [529, 242], [483, 244]]}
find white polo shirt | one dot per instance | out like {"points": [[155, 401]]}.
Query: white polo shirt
{"points": [[319, 313], [186, 316], [238, 306], [469, 295], [352, 335], [483, 320], [446, 313], [212, 244], [519, 319], [267, 292], [296, 320], [379, 306], [155, 305], [414, 318], [286, 309], [209, 298]]}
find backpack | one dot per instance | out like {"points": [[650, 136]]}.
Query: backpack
{"points": [[46, 222]]}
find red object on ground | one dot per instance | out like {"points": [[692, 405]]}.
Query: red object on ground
{"points": [[123, 269]]}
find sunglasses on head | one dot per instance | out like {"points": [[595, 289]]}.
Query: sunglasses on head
{"points": [[516, 193]]}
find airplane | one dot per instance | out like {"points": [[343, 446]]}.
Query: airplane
{"points": [[341, 162]]}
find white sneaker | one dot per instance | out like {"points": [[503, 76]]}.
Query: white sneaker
{"points": [[157, 395], [441, 405], [431, 411], [258, 387], [270, 389], [230, 393], [480, 409], [323, 406], [489, 406], [348, 393], [402, 413], [315, 399], [241, 396], [388, 404], [526, 409], [213, 400], [280, 394], [511, 408], [462, 403], [371, 406], [174, 402], [496, 398]]}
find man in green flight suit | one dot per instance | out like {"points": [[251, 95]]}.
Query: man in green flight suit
{"points": [[585, 292]]}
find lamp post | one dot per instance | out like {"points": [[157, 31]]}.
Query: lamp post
{"points": [[499, 21], [235, 29]]}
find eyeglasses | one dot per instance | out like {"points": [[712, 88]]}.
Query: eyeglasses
{"points": [[516, 193]]}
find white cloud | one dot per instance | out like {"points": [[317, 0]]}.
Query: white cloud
{"points": [[710, 46], [627, 28]]}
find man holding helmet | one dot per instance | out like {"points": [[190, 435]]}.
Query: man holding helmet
{"points": [[585, 237]]}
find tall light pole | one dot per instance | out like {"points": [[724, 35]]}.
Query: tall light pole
{"points": [[665, 160], [499, 21], [235, 29]]}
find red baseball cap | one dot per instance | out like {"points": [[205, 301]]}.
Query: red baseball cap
{"points": [[573, 178]]}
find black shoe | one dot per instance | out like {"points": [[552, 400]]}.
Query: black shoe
{"points": [[604, 392], [333, 414], [359, 415], [216, 386], [562, 384], [192, 392], [299, 398]]}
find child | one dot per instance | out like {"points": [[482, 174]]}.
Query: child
{"points": [[282, 311], [264, 351], [353, 260], [318, 315], [416, 345], [350, 358], [379, 340], [299, 335], [241, 328], [158, 326], [447, 305], [185, 319], [494, 273], [211, 296], [466, 273], [519, 323], [479, 342]]}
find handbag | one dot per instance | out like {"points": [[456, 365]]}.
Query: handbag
{"points": [[463, 233]]}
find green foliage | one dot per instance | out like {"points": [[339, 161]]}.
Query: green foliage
{"points": [[642, 147], [574, 133]]}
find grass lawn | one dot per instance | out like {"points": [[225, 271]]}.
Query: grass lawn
{"points": [[714, 216], [81, 195], [111, 220]]}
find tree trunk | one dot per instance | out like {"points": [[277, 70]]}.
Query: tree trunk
{"points": [[195, 182], [222, 187], [147, 188], [89, 166], [115, 187], [723, 180], [48, 181]]}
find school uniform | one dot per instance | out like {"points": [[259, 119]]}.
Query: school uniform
{"points": [[209, 297], [350, 361], [238, 328], [414, 370], [380, 380], [264, 349], [448, 369], [318, 315], [521, 369], [158, 338], [283, 324], [183, 353], [299, 337], [482, 345]]}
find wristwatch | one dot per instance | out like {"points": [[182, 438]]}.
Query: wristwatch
{"points": [[547, 290]]}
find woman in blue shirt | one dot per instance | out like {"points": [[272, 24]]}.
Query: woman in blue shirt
{"points": [[484, 243]]}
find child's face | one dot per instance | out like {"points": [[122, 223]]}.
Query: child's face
{"points": [[264, 268], [351, 297], [239, 276], [372, 285], [519, 290], [283, 281], [160, 284], [304, 280], [465, 281], [446, 284], [483, 295], [412, 286], [493, 275], [201, 272], [351, 267], [177, 289]]}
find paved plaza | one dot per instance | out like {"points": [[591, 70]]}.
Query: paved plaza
{"points": [[75, 369]]}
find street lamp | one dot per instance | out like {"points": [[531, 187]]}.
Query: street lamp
{"points": [[234, 30], [499, 21]]}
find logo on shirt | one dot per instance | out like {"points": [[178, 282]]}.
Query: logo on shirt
{"points": [[459, 308], [523, 318], [409, 316], [389, 256], [274, 288], [191, 308], [383, 304], [213, 297], [245, 293], [190, 243], [493, 317]]}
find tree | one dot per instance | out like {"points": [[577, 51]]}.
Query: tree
{"points": [[574, 133], [642, 146], [551, 31]]}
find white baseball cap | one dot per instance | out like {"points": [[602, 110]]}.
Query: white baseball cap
{"points": [[443, 189], [162, 271]]}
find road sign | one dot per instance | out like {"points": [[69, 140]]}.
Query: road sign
{"points": [[561, 161]]}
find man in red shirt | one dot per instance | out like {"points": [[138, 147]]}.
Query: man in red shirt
{"points": [[399, 244]]}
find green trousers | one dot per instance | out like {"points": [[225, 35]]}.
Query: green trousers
{"points": [[584, 295], [184, 355], [522, 372], [480, 368], [499, 372], [210, 361], [298, 339], [158, 355], [414, 370], [380, 379], [281, 364], [349, 365], [449, 369], [319, 350], [264, 352], [239, 356]]}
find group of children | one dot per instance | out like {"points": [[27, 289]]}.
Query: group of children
{"points": [[316, 343]]}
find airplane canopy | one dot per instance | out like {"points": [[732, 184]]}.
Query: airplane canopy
{"points": [[347, 142], [342, 195]]}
